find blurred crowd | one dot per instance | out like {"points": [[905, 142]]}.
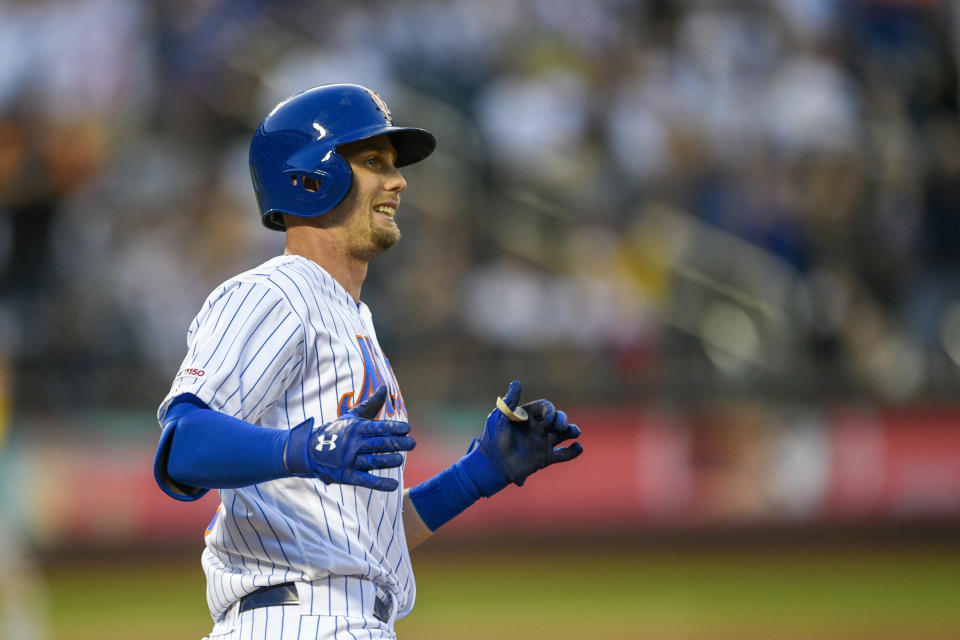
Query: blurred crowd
{"points": [[644, 198]]}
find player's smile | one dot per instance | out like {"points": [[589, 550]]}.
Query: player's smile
{"points": [[385, 213], [388, 209]]}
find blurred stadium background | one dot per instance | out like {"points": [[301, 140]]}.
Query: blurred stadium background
{"points": [[725, 235]]}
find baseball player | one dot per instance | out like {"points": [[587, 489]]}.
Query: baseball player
{"points": [[287, 405]]}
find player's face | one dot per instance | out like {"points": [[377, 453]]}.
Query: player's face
{"points": [[374, 196]]}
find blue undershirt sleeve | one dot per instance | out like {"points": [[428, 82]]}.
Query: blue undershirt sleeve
{"points": [[203, 449]]}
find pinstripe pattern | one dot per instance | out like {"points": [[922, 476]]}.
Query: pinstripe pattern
{"points": [[274, 346], [288, 623]]}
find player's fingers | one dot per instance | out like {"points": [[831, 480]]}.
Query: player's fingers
{"points": [[387, 444], [383, 428], [370, 407], [512, 397], [368, 461], [553, 438], [542, 413], [569, 431], [559, 422], [376, 483], [566, 453]]}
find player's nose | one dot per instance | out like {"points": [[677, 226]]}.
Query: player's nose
{"points": [[395, 182]]}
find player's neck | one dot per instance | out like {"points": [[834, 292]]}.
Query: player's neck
{"points": [[332, 256]]}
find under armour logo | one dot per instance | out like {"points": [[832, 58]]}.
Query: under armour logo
{"points": [[327, 441]]}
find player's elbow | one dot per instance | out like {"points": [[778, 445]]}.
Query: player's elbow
{"points": [[183, 465], [193, 450], [175, 465]]}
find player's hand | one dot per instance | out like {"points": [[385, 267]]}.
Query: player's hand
{"points": [[518, 449], [344, 450]]}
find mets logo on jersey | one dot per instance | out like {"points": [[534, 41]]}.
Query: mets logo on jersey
{"points": [[373, 378]]}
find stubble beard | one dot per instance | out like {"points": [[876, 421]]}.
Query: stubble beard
{"points": [[381, 238], [384, 237]]}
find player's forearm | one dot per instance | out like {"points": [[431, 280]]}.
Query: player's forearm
{"points": [[446, 495], [413, 525], [205, 449]]}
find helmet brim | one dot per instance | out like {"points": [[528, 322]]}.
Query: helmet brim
{"points": [[412, 144]]}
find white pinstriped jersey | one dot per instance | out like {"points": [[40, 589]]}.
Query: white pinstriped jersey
{"points": [[274, 346]]}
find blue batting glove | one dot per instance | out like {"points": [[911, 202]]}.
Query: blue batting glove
{"points": [[342, 451], [507, 451], [518, 449]]}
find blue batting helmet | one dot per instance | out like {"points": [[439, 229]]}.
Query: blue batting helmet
{"points": [[294, 162]]}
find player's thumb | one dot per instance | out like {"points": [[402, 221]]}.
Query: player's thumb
{"points": [[512, 397], [370, 407]]}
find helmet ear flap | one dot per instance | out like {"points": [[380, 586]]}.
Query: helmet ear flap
{"points": [[317, 188]]}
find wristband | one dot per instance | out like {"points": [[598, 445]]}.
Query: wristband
{"points": [[447, 494], [482, 471]]}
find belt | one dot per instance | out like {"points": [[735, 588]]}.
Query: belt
{"points": [[286, 594]]}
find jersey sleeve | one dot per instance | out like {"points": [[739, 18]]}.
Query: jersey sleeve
{"points": [[243, 349]]}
